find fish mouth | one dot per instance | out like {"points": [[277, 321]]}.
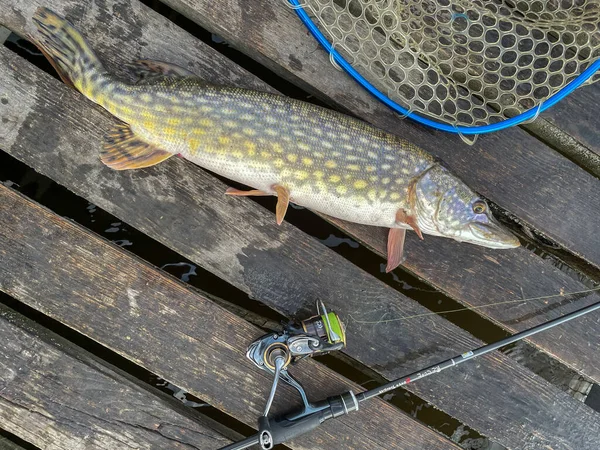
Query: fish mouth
{"points": [[492, 235]]}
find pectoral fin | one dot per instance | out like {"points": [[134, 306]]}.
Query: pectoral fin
{"points": [[403, 217], [239, 193], [395, 248], [124, 150], [283, 201]]}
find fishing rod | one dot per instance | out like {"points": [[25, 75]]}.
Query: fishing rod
{"points": [[324, 333]]}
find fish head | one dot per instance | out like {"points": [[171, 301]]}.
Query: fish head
{"points": [[445, 206]]}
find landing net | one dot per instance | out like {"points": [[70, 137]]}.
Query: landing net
{"points": [[467, 63]]}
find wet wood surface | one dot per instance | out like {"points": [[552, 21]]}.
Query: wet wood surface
{"points": [[471, 275], [276, 265], [154, 320], [54, 395], [513, 169]]}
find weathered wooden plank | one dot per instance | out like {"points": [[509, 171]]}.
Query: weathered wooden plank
{"points": [[511, 168], [169, 328], [577, 115], [182, 206], [565, 140], [519, 271], [53, 395]]}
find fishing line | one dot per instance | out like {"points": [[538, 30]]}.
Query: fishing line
{"points": [[473, 91], [473, 308]]}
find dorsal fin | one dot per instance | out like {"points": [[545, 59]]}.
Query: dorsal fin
{"points": [[147, 71], [124, 150]]}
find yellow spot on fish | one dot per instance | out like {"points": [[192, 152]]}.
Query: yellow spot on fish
{"points": [[278, 163], [353, 167], [385, 180], [265, 155], [249, 131], [335, 178], [360, 184], [301, 175], [321, 185], [307, 161], [193, 144], [395, 196], [371, 168], [146, 98], [277, 147], [238, 154], [230, 123], [318, 174], [247, 117], [251, 147], [372, 155], [206, 122], [341, 189], [304, 147], [149, 125], [224, 140], [351, 157], [174, 121], [170, 131], [271, 132], [330, 164], [292, 158], [372, 194]]}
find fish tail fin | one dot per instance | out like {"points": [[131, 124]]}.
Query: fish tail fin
{"points": [[67, 51]]}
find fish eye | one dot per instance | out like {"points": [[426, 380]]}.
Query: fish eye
{"points": [[479, 207]]}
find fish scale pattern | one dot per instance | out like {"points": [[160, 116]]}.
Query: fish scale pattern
{"points": [[464, 62]]}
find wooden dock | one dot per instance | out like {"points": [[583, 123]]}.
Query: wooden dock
{"points": [[60, 280]]}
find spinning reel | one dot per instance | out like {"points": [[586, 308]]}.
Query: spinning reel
{"points": [[275, 352]]}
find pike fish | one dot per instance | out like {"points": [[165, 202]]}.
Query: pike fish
{"points": [[299, 152]]}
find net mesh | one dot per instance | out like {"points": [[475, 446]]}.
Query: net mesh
{"points": [[464, 62]]}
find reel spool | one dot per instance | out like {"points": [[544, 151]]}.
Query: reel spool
{"points": [[275, 352]]}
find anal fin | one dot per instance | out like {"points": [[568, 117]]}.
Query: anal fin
{"points": [[122, 150], [395, 248]]}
